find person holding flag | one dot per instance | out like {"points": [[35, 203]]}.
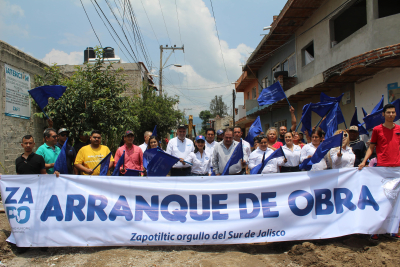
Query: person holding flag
{"points": [[90, 156], [292, 154], [180, 147], [133, 159], [153, 142], [283, 129], [308, 151], [342, 157], [223, 152], [63, 135], [263, 152], [200, 158]]}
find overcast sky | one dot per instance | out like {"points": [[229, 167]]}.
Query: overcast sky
{"points": [[59, 31]]}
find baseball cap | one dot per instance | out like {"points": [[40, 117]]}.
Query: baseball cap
{"points": [[128, 133], [62, 130], [220, 132], [353, 128], [181, 126], [200, 137]]}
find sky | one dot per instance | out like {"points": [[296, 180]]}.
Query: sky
{"points": [[59, 31]]}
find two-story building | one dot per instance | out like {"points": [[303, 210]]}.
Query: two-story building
{"points": [[340, 46]]}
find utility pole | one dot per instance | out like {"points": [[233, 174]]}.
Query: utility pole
{"points": [[233, 107], [162, 48]]}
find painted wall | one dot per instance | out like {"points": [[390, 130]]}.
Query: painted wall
{"points": [[278, 115], [369, 92], [379, 32]]}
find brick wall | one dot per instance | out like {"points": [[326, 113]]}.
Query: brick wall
{"points": [[12, 129]]}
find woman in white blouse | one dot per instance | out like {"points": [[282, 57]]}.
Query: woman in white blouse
{"points": [[292, 154], [199, 158], [308, 151], [344, 159], [257, 155]]}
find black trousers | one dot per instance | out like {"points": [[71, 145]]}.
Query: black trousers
{"points": [[290, 169], [181, 171]]}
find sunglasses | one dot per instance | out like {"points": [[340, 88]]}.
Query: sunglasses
{"points": [[64, 135]]}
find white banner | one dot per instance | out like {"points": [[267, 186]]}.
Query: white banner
{"points": [[73, 210], [17, 97]]}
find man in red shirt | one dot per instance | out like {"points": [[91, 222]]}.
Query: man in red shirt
{"points": [[133, 154], [386, 139]]}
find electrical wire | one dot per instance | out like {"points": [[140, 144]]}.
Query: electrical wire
{"points": [[91, 23]]}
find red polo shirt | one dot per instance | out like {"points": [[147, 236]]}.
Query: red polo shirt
{"points": [[133, 157], [387, 143]]}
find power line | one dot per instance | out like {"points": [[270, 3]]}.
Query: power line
{"points": [[222, 54], [150, 23], [91, 23], [162, 13]]}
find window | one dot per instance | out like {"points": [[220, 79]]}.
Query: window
{"points": [[308, 54], [265, 82], [254, 93], [292, 65], [349, 21], [388, 8], [280, 123], [275, 69]]}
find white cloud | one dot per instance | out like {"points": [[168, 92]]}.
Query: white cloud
{"points": [[62, 58], [10, 10], [8, 14], [71, 39]]}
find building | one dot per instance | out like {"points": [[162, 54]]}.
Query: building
{"points": [[339, 47], [17, 71]]}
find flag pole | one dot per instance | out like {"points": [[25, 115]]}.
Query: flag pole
{"points": [[123, 163], [341, 144]]}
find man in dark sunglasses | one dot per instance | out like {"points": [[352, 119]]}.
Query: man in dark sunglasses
{"points": [[63, 135], [49, 151]]}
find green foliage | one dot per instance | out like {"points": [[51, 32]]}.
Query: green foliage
{"points": [[152, 109], [205, 116], [218, 107], [93, 100]]}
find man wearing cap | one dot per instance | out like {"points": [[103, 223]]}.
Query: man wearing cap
{"points": [[357, 145], [49, 151], [63, 135], [220, 135], [133, 154], [180, 147], [147, 135]]}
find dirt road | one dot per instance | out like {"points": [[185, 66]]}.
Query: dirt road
{"points": [[354, 250]]}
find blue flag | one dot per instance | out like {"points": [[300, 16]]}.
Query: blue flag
{"points": [[306, 119], [322, 108], [161, 164], [271, 94], [332, 120], [354, 121], [379, 106], [154, 131], [325, 98], [235, 157], [131, 172], [254, 130], [41, 94], [104, 165], [322, 150], [148, 155], [257, 169], [276, 154], [364, 112], [377, 118], [61, 162], [118, 166]]}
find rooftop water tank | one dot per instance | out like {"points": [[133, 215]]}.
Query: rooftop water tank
{"points": [[88, 53]]}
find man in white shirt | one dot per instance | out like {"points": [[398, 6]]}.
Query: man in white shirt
{"points": [[147, 135], [210, 143], [237, 135], [180, 147]]}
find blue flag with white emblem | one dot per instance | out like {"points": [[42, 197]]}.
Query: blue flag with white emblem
{"points": [[254, 130], [148, 155], [377, 118], [325, 98], [378, 106], [161, 163], [104, 165], [271, 94], [332, 120]]}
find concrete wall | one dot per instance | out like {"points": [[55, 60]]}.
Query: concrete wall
{"points": [[278, 57], [369, 92], [13, 129], [278, 115], [134, 75], [379, 32]]}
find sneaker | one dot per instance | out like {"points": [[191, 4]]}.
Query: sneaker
{"points": [[394, 236], [374, 237]]}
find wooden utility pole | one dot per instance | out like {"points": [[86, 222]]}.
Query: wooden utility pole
{"points": [[162, 48], [190, 128], [233, 107]]}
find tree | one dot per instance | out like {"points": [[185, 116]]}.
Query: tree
{"points": [[205, 116], [93, 100], [152, 109], [218, 107]]}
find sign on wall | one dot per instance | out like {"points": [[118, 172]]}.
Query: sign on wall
{"points": [[17, 97]]}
